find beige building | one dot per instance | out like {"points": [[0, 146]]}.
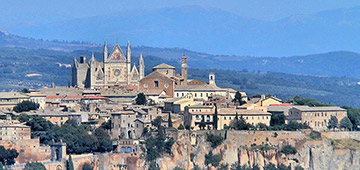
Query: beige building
{"points": [[12, 130], [8, 100], [195, 114], [316, 117]]}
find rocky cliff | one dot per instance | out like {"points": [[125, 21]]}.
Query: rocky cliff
{"points": [[262, 148]]}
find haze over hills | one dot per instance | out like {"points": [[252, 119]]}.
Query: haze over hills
{"points": [[211, 30]]}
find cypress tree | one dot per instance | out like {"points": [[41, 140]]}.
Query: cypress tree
{"points": [[215, 121], [170, 124], [70, 164]]}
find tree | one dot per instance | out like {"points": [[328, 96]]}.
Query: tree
{"points": [[178, 168], [277, 119], [212, 159], [34, 166], [215, 119], [202, 124], [141, 99], [238, 98], [345, 123], [240, 124], [288, 150], [157, 122], [104, 140], [106, 125], [70, 164], [181, 127], [214, 139], [7, 156], [333, 122], [87, 166], [170, 124], [196, 167], [25, 90], [26, 106], [1, 166]]}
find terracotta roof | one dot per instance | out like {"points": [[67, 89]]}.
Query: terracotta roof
{"points": [[54, 97], [74, 96], [94, 97], [163, 65]]}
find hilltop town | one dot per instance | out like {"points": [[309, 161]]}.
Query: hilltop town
{"points": [[113, 116]]}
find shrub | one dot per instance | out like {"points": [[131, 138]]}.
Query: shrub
{"points": [[87, 166], [298, 167], [214, 139], [196, 167], [181, 127], [288, 150], [25, 106], [212, 159], [178, 168], [34, 166], [315, 135]]}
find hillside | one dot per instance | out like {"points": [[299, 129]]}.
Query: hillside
{"points": [[210, 30], [21, 67]]}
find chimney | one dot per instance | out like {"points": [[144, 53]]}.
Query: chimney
{"points": [[184, 69], [212, 79], [82, 59]]}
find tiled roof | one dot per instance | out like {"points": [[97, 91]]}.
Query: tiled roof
{"points": [[163, 65], [319, 109], [12, 95]]}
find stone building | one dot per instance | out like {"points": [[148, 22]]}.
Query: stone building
{"points": [[316, 117], [115, 70], [8, 100], [10, 130]]}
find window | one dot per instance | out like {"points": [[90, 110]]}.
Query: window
{"points": [[195, 95], [177, 94], [156, 83], [224, 117]]}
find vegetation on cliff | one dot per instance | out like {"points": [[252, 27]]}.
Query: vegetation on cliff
{"points": [[288, 150], [77, 137], [215, 140], [34, 166]]}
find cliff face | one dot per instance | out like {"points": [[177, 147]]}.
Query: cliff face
{"points": [[190, 150]]}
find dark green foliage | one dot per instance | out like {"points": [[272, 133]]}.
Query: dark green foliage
{"points": [[87, 166], [157, 121], [309, 102], [333, 122], [238, 98], [223, 167], [212, 159], [354, 116], [240, 124], [202, 124], [192, 156], [70, 163], [1, 166], [277, 120], [270, 166], [141, 99], [315, 135], [298, 167], [153, 166], [215, 118], [345, 123], [275, 134], [155, 146], [181, 127], [34, 166], [170, 124], [76, 137], [215, 140], [106, 125], [288, 150], [7, 156], [196, 167], [145, 131], [178, 168], [25, 90], [25, 106], [283, 167], [261, 126], [236, 166]]}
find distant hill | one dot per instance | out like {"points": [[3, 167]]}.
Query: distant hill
{"points": [[211, 30]]}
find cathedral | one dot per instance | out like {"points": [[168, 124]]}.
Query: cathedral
{"points": [[115, 70]]}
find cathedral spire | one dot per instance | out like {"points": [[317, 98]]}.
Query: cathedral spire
{"points": [[105, 52], [128, 52], [141, 66], [92, 56]]}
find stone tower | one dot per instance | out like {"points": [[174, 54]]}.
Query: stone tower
{"points": [[212, 79], [184, 69], [128, 61], [141, 67], [105, 60]]}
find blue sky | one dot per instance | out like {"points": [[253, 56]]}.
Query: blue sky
{"points": [[33, 11]]}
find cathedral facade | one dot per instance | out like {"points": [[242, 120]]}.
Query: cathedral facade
{"points": [[115, 70]]}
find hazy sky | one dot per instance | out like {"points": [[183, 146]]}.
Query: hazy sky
{"points": [[29, 11]]}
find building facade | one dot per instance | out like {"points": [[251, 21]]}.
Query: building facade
{"points": [[115, 70]]}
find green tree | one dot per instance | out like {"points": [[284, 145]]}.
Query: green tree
{"points": [[25, 106], [196, 167], [277, 119], [178, 168], [70, 164], [215, 140], [87, 166], [345, 123], [153, 166], [157, 122], [141, 99], [7, 156], [238, 98], [333, 122], [106, 125], [170, 124], [1, 166], [288, 150], [215, 119], [25, 90], [240, 124], [202, 124], [104, 140], [212, 159], [181, 127], [34, 166], [298, 167]]}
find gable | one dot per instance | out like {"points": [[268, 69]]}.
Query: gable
{"points": [[117, 54]]}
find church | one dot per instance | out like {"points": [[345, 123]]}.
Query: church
{"points": [[115, 70]]}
